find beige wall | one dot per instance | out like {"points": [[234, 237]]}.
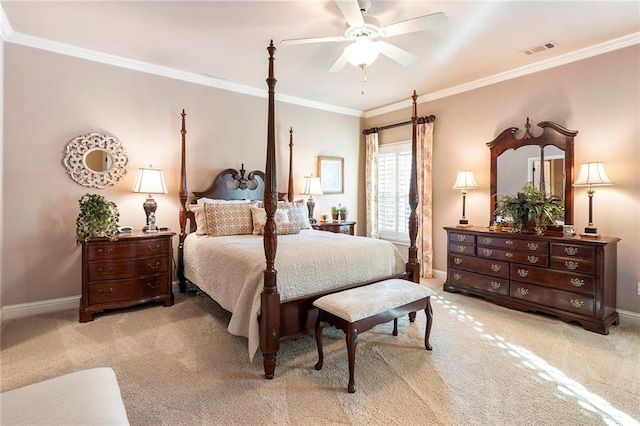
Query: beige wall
{"points": [[51, 98], [599, 97]]}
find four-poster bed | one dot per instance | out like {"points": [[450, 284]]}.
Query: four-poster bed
{"points": [[282, 298]]}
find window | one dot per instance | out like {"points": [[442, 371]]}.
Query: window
{"points": [[394, 168]]}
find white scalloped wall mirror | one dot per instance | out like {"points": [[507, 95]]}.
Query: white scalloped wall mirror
{"points": [[96, 160]]}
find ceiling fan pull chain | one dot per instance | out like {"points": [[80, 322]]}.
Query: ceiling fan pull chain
{"points": [[364, 78]]}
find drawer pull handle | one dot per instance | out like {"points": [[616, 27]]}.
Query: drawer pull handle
{"points": [[522, 291], [457, 276], [523, 272], [487, 240], [105, 292], [533, 246], [571, 251], [509, 242], [461, 249], [152, 267], [457, 260], [496, 268], [105, 252], [462, 238], [509, 254], [577, 282], [576, 303], [487, 252], [570, 264], [153, 285], [496, 285], [154, 249], [103, 272], [533, 259]]}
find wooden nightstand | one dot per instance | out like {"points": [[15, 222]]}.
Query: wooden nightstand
{"points": [[135, 269], [343, 227]]}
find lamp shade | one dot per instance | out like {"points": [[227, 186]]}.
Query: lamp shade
{"points": [[311, 186], [465, 180], [362, 52], [592, 174], [150, 181]]}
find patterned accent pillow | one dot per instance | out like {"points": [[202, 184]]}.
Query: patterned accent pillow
{"points": [[198, 210], [260, 219], [288, 228], [228, 219], [299, 214]]}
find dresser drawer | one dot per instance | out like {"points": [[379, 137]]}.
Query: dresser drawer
{"points": [[572, 264], [478, 281], [494, 268], [128, 290], [462, 249], [513, 256], [572, 250], [462, 238], [546, 277], [127, 250], [111, 270], [558, 299], [539, 247]]}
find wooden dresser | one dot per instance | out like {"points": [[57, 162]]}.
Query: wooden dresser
{"points": [[343, 227], [135, 269], [569, 277]]}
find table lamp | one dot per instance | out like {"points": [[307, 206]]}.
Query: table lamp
{"points": [[151, 181], [590, 175], [311, 186], [464, 182]]}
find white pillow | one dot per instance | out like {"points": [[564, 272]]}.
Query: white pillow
{"points": [[260, 219]]}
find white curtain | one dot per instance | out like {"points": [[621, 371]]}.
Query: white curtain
{"points": [[425, 190], [371, 183]]}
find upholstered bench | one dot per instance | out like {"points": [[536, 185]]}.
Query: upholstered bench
{"points": [[359, 309]]}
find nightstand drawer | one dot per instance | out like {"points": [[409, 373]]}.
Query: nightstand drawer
{"points": [[129, 290], [127, 250], [100, 271]]}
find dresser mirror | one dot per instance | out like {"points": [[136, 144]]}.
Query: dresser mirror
{"points": [[95, 160], [546, 160]]}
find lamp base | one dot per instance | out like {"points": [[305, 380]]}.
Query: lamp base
{"points": [[590, 232], [464, 223]]}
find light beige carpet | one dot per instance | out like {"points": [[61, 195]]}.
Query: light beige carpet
{"points": [[489, 366]]}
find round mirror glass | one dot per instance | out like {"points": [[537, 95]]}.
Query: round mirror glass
{"points": [[98, 160]]}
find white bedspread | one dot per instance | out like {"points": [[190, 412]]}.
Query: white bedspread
{"points": [[230, 269]]}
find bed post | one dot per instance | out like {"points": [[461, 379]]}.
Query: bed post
{"points": [[413, 266], [290, 183], [182, 216], [270, 299]]}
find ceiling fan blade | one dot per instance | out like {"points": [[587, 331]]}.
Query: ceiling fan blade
{"points": [[427, 22], [351, 11], [399, 55], [339, 64], [313, 40]]}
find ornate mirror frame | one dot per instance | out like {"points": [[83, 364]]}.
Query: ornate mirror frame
{"points": [[552, 134], [75, 160]]}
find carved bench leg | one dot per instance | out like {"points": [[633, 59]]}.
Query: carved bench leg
{"points": [[319, 327], [429, 313], [352, 342], [395, 326]]}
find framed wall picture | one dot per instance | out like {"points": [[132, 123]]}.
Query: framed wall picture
{"points": [[331, 172]]}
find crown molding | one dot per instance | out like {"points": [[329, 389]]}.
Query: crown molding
{"points": [[588, 52], [149, 68], [5, 26]]}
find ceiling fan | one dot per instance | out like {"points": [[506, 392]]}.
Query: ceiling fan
{"points": [[363, 30]]}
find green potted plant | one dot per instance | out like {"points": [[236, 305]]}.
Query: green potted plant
{"points": [[335, 213], [343, 213], [531, 208], [98, 218]]}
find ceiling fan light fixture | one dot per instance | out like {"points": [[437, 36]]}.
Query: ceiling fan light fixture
{"points": [[361, 53]]}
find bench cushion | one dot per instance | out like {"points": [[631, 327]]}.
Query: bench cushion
{"points": [[88, 397], [364, 302]]}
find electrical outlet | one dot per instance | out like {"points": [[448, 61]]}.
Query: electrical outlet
{"points": [[638, 288]]}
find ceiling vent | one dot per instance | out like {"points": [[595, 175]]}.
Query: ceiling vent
{"points": [[540, 48]]}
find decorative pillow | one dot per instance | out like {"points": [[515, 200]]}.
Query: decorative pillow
{"points": [[260, 219], [198, 210], [228, 219], [288, 228], [299, 214]]}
